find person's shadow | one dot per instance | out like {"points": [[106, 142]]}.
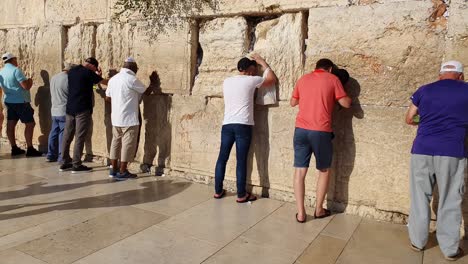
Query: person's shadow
{"points": [[260, 149], [158, 129], [344, 148], [43, 102], [107, 115]]}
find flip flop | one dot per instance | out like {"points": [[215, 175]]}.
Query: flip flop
{"points": [[221, 195], [415, 248], [250, 198], [327, 214]]}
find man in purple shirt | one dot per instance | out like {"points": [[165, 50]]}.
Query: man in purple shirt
{"points": [[438, 156]]}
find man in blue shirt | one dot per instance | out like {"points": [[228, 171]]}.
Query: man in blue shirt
{"points": [[438, 156], [18, 102]]}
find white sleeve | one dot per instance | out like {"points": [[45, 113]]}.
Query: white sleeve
{"points": [[138, 86], [258, 81], [108, 90]]}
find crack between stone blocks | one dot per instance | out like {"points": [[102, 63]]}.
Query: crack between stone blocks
{"points": [[248, 229]]}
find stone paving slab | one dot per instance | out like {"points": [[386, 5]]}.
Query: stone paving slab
{"points": [[52, 217]]}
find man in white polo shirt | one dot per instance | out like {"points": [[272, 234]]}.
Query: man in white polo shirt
{"points": [[124, 91]]}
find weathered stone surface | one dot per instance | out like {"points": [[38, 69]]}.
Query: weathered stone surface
{"points": [[457, 43], [390, 56], [81, 43], [224, 42], [156, 138], [169, 55], [39, 52], [21, 13], [75, 10], [255, 7], [281, 42], [389, 47]]}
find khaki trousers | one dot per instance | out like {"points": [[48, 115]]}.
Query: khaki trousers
{"points": [[124, 143]]}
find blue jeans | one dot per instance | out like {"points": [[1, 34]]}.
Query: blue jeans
{"points": [[55, 138], [242, 136]]}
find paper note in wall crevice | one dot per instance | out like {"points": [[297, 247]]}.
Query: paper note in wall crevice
{"points": [[266, 95]]}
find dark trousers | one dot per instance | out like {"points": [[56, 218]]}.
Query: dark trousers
{"points": [[242, 136], [55, 138], [75, 126]]}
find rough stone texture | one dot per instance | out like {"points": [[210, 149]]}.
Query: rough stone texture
{"points": [[457, 43], [155, 140], [81, 43], [39, 52], [390, 56], [219, 61], [281, 42], [75, 10], [389, 47], [253, 7], [21, 13]]}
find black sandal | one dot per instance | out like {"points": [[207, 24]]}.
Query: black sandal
{"points": [[249, 198], [299, 221], [327, 214], [221, 195]]}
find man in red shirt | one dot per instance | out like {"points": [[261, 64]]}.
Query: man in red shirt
{"points": [[316, 94]]}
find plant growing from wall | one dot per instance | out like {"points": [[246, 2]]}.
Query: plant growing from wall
{"points": [[161, 15]]}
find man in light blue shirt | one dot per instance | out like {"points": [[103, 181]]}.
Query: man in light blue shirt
{"points": [[17, 99]]}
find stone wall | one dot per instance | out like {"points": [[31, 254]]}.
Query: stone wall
{"points": [[389, 47]]}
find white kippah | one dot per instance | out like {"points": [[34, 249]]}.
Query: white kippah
{"points": [[130, 59]]}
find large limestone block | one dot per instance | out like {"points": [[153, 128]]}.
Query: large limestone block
{"points": [[155, 136], [457, 41], [75, 10], [371, 158], [281, 42], [196, 140], [39, 52], [21, 13], [258, 7], [80, 44], [391, 49], [170, 54], [196, 134], [113, 44], [224, 42]]}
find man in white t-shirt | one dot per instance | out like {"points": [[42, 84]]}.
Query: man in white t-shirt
{"points": [[124, 91], [238, 122]]}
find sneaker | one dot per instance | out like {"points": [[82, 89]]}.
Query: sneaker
{"points": [[112, 173], [126, 175], [51, 160], [81, 169], [15, 151], [32, 152], [459, 254], [65, 167]]}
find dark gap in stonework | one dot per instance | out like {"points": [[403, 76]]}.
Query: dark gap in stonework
{"points": [[305, 36], [252, 22]]}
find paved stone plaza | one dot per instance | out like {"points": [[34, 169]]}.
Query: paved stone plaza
{"points": [[52, 217]]}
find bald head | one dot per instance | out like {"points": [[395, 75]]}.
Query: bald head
{"points": [[131, 66]]}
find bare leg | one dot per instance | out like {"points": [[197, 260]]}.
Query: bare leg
{"points": [[11, 125], [114, 165], [322, 188], [28, 133], [299, 191], [123, 166]]}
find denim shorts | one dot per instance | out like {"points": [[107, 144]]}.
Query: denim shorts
{"points": [[307, 142], [21, 111]]}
